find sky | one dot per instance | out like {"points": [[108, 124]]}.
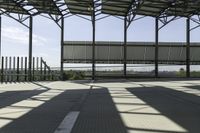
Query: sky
{"points": [[46, 34]]}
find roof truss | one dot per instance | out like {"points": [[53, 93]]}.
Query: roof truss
{"points": [[154, 8]]}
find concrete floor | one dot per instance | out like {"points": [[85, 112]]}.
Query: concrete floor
{"points": [[104, 106]]}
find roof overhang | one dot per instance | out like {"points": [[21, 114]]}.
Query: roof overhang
{"points": [[154, 8]]}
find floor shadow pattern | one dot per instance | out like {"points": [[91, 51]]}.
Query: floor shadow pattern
{"points": [[180, 107]]}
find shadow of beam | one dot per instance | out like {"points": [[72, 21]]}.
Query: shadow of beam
{"points": [[173, 104], [47, 117], [195, 87], [10, 97]]}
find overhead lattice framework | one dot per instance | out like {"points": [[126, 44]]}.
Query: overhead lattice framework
{"points": [[45, 6], [183, 8], [11, 6], [31, 7], [155, 8]]}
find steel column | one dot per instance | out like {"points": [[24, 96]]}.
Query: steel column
{"points": [[125, 46], [188, 48], [93, 43], [30, 48], [62, 49], [156, 46]]}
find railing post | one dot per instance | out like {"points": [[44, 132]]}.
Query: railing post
{"points": [[41, 76], [25, 67], [49, 73], [37, 69], [6, 69], [33, 74], [17, 69], [10, 70], [45, 71], [14, 72], [2, 69], [22, 71]]}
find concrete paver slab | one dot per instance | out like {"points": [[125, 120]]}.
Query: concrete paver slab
{"points": [[111, 106]]}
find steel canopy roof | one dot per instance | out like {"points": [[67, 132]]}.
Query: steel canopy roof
{"points": [[181, 8], [83, 7], [154, 8], [11, 7], [116, 7], [45, 6]]}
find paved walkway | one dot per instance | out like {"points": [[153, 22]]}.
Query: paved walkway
{"points": [[106, 106]]}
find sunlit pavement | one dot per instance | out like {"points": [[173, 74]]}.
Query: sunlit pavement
{"points": [[105, 106]]}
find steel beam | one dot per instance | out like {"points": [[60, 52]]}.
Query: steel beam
{"points": [[125, 47], [156, 46], [62, 50], [188, 47], [30, 48], [93, 43]]}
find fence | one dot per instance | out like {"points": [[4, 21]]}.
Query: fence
{"points": [[16, 69]]}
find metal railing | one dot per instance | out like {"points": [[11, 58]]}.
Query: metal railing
{"points": [[15, 69]]}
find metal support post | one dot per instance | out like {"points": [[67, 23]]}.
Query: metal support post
{"points": [[62, 49], [30, 48], [156, 46], [188, 48], [93, 43], [125, 46]]}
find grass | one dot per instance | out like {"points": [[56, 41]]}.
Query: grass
{"points": [[182, 73]]}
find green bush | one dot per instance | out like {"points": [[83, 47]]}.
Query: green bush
{"points": [[195, 74], [181, 73], [73, 75]]}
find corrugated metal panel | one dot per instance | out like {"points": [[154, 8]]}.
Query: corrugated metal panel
{"points": [[12, 7], [195, 54], [113, 52], [115, 7], [45, 6], [80, 7]]}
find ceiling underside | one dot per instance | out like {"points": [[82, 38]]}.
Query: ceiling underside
{"points": [[154, 8]]}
